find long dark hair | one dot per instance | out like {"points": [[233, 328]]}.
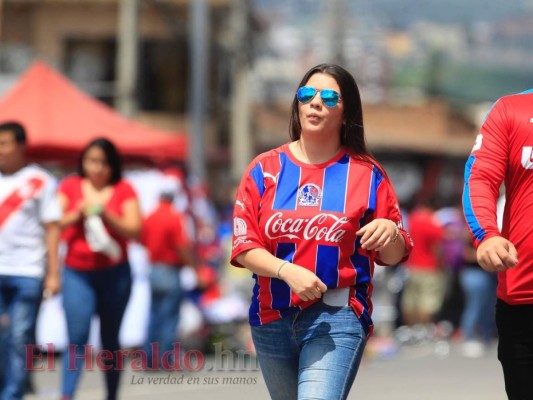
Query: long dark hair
{"points": [[352, 134], [112, 156]]}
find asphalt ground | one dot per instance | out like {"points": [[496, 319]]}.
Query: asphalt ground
{"points": [[427, 371]]}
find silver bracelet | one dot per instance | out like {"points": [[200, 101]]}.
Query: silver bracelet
{"points": [[280, 267]]}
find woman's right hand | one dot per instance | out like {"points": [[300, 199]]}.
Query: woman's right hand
{"points": [[88, 209], [70, 217], [303, 282], [497, 254]]}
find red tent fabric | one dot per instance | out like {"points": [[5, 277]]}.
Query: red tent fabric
{"points": [[61, 119]]}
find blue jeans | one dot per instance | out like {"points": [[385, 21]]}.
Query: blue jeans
{"points": [[479, 289], [86, 293], [312, 354], [20, 298], [164, 309]]}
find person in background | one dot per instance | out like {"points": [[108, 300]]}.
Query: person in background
{"points": [[310, 218], [29, 263], [477, 320], [166, 239], [503, 152], [426, 282], [453, 245], [101, 213]]}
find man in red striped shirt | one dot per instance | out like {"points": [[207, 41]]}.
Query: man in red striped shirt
{"points": [[29, 262]]}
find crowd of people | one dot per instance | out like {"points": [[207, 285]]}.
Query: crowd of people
{"points": [[93, 215], [445, 294], [311, 220]]}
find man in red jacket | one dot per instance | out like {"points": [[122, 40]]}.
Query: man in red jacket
{"points": [[503, 153]]}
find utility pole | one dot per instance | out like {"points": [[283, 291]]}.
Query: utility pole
{"points": [[241, 146], [198, 39], [127, 57], [1, 18], [336, 22]]}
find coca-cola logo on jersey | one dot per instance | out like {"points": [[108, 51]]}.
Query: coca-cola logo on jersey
{"points": [[327, 227]]}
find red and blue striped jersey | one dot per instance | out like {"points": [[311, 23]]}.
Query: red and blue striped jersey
{"points": [[503, 152], [308, 214]]}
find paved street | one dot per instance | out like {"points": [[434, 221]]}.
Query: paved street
{"points": [[425, 372]]}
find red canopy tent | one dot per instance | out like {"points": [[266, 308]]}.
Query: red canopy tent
{"points": [[61, 119]]}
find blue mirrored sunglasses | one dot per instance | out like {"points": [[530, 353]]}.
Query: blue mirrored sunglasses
{"points": [[329, 97]]}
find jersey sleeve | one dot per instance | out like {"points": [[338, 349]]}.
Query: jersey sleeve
{"points": [[484, 173], [246, 232], [49, 209], [67, 187], [126, 191], [387, 207]]}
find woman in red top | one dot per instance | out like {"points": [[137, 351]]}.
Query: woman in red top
{"points": [[100, 214]]}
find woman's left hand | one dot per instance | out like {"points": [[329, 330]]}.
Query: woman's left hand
{"points": [[51, 285], [377, 234]]}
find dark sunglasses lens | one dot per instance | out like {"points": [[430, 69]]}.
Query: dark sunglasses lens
{"points": [[329, 97], [305, 94]]}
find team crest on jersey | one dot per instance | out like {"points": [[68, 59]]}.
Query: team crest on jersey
{"points": [[309, 195], [239, 227]]}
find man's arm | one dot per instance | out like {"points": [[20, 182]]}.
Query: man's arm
{"points": [[52, 280], [484, 174], [186, 255]]}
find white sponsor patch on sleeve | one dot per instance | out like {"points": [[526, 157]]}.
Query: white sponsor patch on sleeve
{"points": [[479, 141], [527, 157]]}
